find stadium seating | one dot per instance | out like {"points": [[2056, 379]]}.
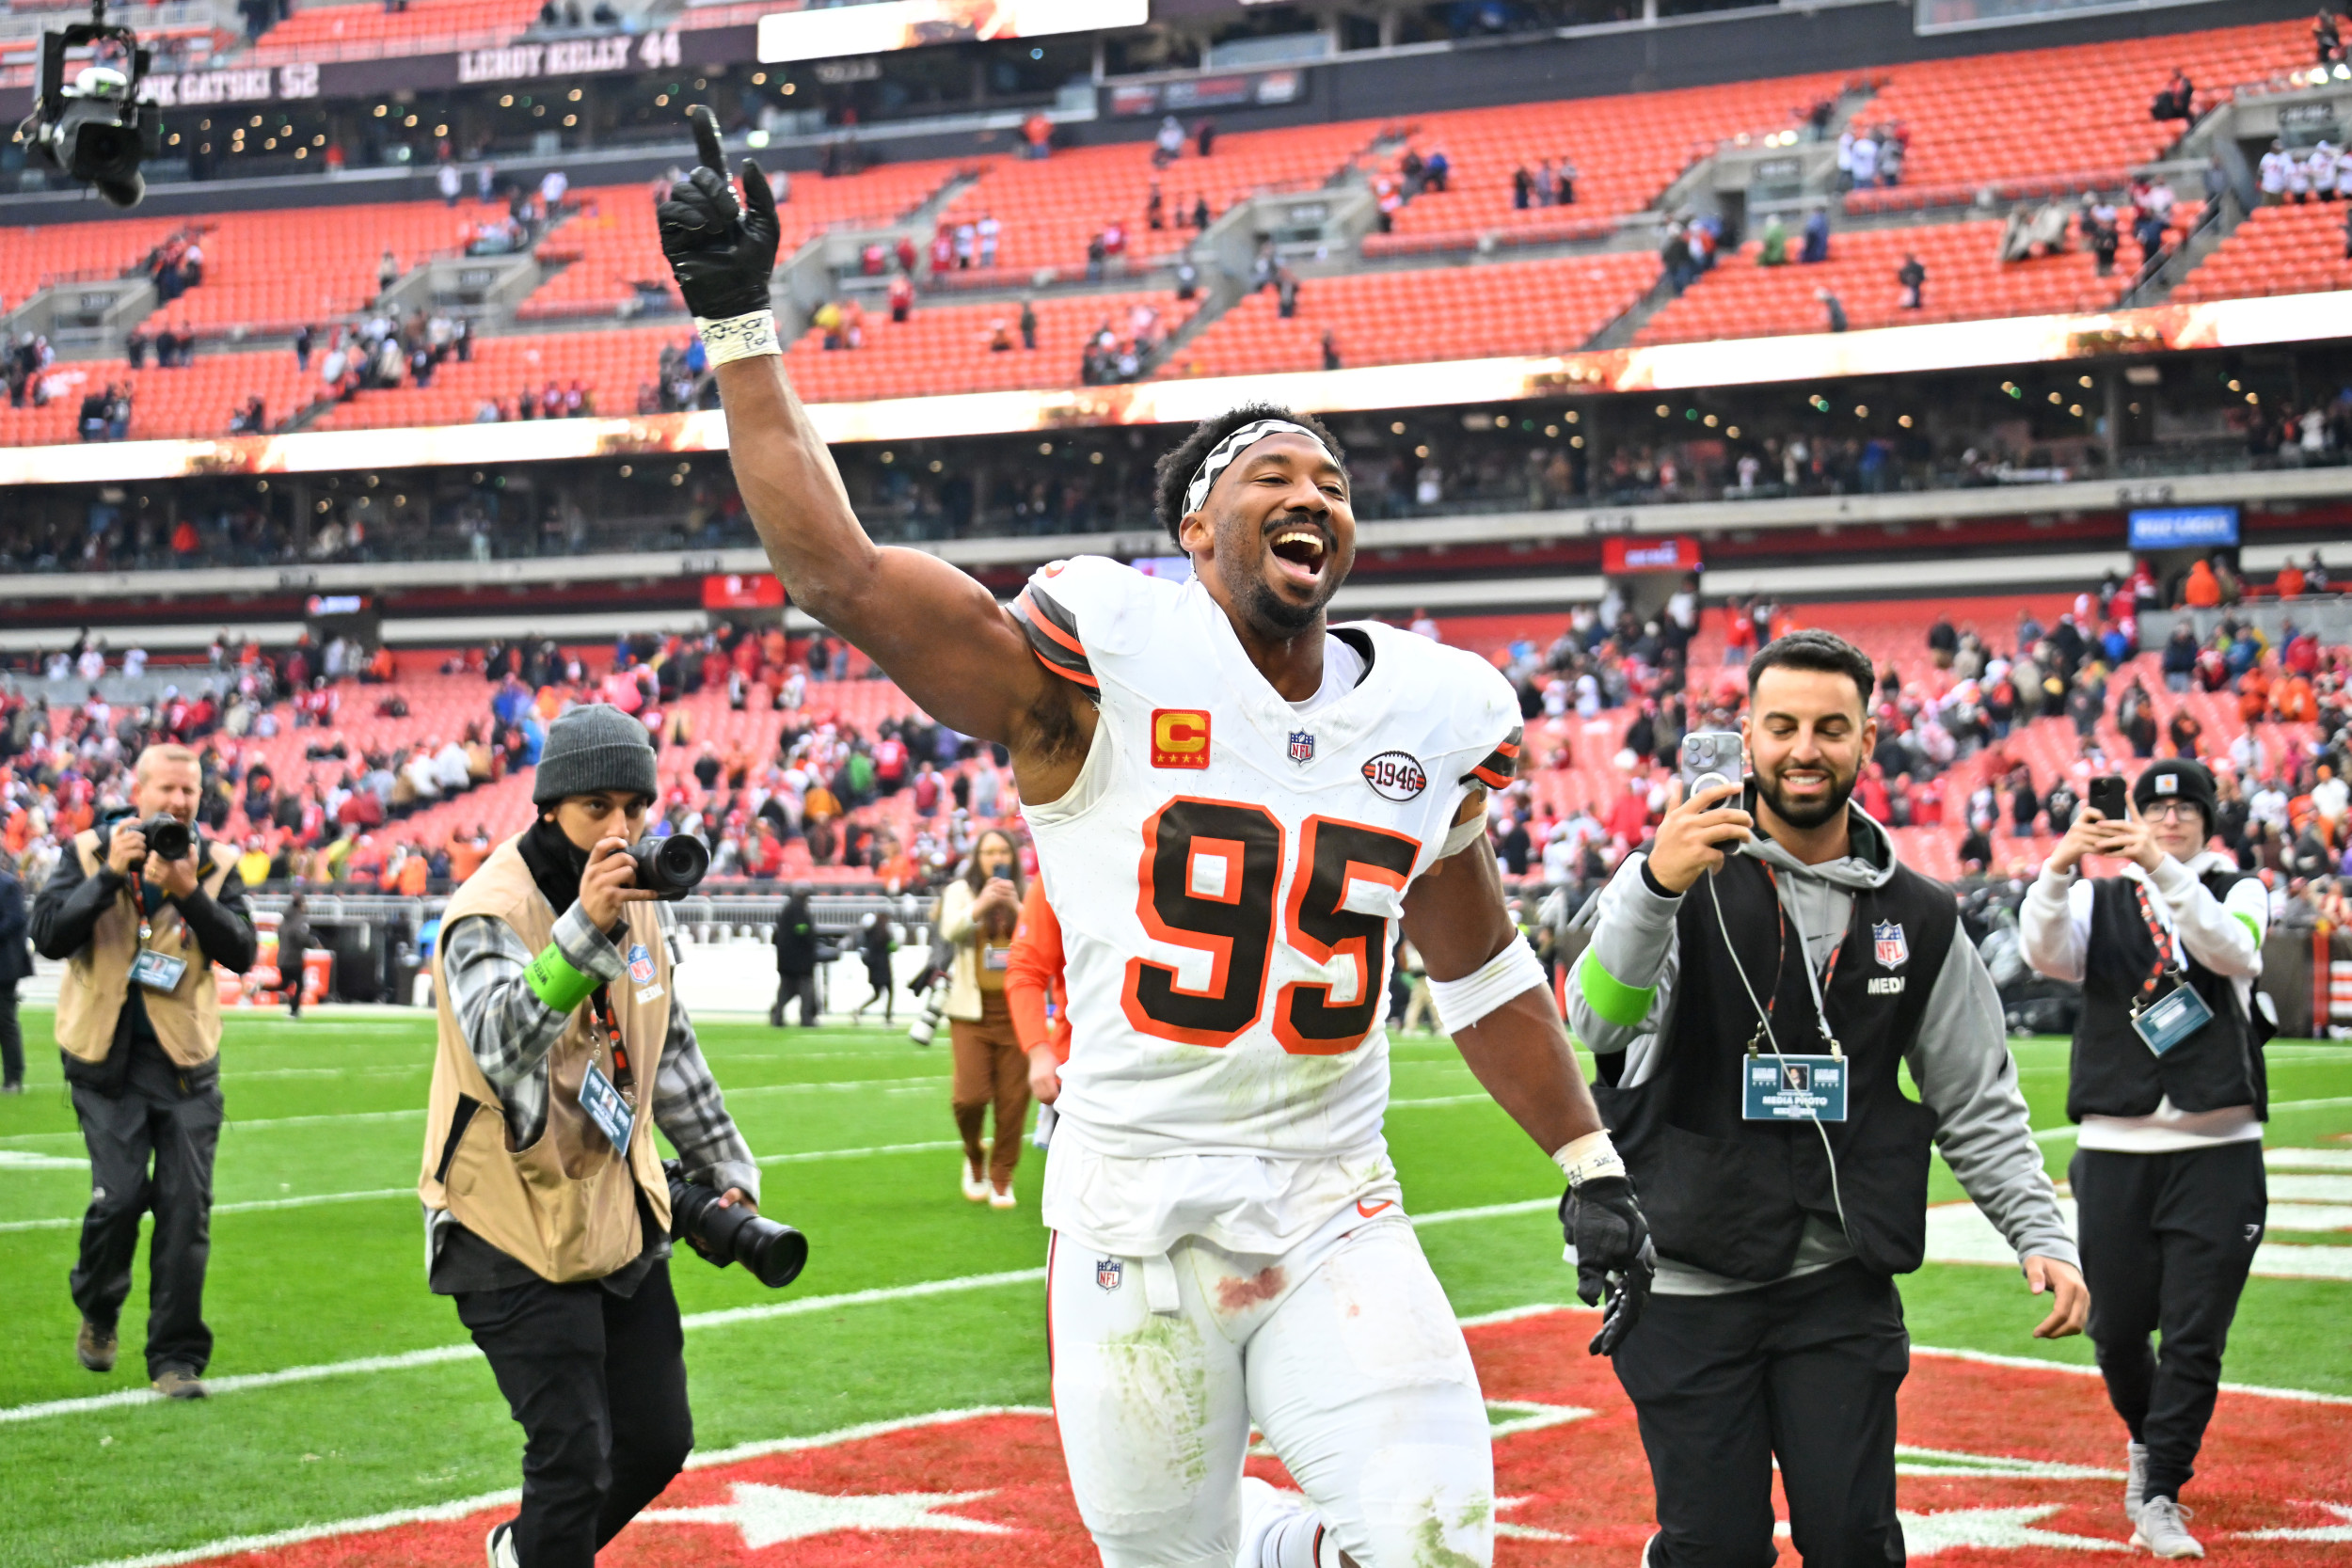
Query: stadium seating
{"points": [[193, 399], [944, 349], [271, 272], [1627, 149], [2276, 251], [2037, 120], [1393, 317], [358, 30], [610, 366], [58, 252], [1965, 281], [1051, 208], [610, 245]]}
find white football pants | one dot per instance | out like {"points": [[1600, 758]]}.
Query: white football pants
{"points": [[1345, 1352]]}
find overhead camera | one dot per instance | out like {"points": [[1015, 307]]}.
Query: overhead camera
{"points": [[95, 128]]}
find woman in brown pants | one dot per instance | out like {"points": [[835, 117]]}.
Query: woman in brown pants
{"points": [[977, 914]]}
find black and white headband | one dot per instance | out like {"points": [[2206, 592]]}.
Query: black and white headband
{"points": [[1232, 447]]}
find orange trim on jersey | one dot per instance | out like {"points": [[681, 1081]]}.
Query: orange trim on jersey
{"points": [[1371, 970], [1080, 676], [1485, 775], [1039, 619], [1219, 948]]}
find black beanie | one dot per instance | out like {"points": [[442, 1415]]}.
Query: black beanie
{"points": [[595, 746], [2177, 779]]}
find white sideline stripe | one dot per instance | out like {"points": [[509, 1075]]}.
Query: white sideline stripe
{"points": [[1961, 1233], [1488, 1210], [438, 1354], [249, 1206], [2300, 1395], [2308, 1158], [2061, 1135], [436, 1513]]}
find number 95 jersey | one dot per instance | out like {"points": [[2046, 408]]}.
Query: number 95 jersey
{"points": [[1228, 869]]}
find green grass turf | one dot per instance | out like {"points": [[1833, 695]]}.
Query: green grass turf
{"points": [[331, 1107]]}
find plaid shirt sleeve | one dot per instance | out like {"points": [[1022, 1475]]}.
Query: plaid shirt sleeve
{"points": [[508, 1029], [692, 1115]]}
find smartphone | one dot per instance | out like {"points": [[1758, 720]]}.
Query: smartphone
{"points": [[1710, 757], [2110, 798]]}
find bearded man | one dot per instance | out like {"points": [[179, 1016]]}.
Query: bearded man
{"points": [[1753, 983]]}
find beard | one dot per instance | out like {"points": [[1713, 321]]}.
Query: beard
{"points": [[1268, 613], [1812, 815]]}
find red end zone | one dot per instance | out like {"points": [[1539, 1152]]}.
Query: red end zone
{"points": [[2002, 1464]]}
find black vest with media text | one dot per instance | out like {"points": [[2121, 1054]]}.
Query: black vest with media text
{"points": [[2113, 1071]]}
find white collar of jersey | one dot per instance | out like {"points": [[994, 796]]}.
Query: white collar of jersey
{"points": [[1221, 457]]}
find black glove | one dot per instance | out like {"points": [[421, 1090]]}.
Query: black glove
{"points": [[1603, 1222], [720, 254]]}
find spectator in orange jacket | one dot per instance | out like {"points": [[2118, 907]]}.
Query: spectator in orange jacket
{"points": [[2203, 590], [1036, 995], [415, 874]]}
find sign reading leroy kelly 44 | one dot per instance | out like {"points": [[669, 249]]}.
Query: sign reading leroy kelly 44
{"points": [[524, 62]]}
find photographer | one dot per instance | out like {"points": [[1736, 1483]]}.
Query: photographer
{"points": [[139, 928], [2167, 1082], [557, 1022], [1751, 1082]]}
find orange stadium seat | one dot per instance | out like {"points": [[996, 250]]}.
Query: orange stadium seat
{"points": [[58, 252], [2276, 251], [611, 366], [269, 272], [1965, 283], [2080, 111], [611, 245], [1051, 208], [1626, 149], [1401, 317], [944, 349], [359, 30], [193, 399]]}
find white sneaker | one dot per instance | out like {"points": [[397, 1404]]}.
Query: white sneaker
{"points": [[975, 1185], [1654, 1538], [501, 1545], [2136, 1480], [1001, 1198], [2159, 1531], [1265, 1509]]}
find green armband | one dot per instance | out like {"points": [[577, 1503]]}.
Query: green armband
{"points": [[554, 981]]}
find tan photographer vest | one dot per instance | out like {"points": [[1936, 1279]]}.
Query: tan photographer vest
{"points": [[566, 1206], [97, 979]]}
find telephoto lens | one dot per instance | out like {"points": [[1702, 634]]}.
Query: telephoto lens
{"points": [[773, 1253], [670, 866], [167, 837]]}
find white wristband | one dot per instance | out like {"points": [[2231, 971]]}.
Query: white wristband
{"points": [[1464, 1001], [739, 337], [1588, 1159], [1462, 835]]}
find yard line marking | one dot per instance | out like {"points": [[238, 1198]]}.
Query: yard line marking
{"points": [[2308, 1158], [2301, 1396], [1488, 1210], [251, 1206], [1960, 1233], [930, 1148], [436, 1513], [1441, 1100]]}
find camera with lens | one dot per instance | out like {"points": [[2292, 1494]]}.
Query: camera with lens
{"points": [[95, 128], [167, 837], [670, 866], [773, 1252]]}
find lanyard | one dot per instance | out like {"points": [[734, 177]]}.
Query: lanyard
{"points": [[600, 1006], [1819, 984], [2165, 958]]}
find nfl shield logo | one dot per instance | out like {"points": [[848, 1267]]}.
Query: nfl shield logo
{"points": [[640, 965], [1108, 1272], [1887, 937], [1302, 747]]}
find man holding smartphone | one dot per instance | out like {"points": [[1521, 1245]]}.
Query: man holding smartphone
{"points": [[2169, 1084], [1755, 983]]}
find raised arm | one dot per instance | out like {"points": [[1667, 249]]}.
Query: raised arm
{"points": [[933, 629]]}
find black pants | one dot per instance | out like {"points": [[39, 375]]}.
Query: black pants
{"points": [[597, 1382], [790, 984], [179, 1134], [11, 1038], [1805, 1370], [2167, 1240]]}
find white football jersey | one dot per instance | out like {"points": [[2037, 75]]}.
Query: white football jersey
{"points": [[1229, 872]]}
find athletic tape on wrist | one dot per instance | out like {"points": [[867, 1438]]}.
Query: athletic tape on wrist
{"points": [[1464, 1001], [1462, 835], [1588, 1159], [554, 981], [739, 337]]}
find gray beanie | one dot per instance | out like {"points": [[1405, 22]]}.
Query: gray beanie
{"points": [[595, 746]]}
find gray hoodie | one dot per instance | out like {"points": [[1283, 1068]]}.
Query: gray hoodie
{"points": [[1966, 1078]]}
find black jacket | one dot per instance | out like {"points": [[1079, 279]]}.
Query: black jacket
{"points": [[67, 910], [16, 958], [796, 937]]}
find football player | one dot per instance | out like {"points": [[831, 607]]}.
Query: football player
{"points": [[1233, 806]]}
